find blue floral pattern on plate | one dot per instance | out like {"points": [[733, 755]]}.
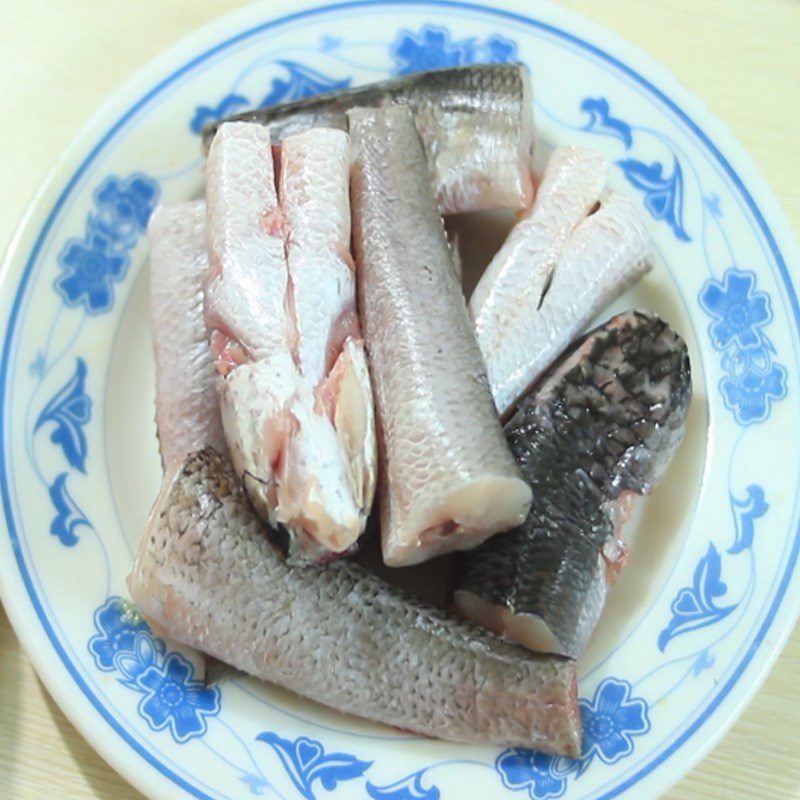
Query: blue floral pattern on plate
{"points": [[172, 698], [739, 314], [306, 761], [92, 265], [70, 409], [433, 48]]}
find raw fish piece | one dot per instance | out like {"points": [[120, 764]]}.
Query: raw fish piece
{"points": [[207, 574], [476, 124], [449, 481], [187, 404], [280, 298], [602, 427]]}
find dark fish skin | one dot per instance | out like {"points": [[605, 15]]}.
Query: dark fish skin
{"points": [[604, 423], [476, 124], [336, 633]]}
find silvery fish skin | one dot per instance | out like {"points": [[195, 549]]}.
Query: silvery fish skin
{"points": [[476, 124], [604, 424], [207, 574], [448, 478], [280, 296], [187, 404], [567, 259]]}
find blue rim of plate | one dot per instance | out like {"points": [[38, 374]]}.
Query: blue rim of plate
{"points": [[682, 116]]}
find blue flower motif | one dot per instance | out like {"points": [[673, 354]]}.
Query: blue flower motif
{"points": [[663, 195], [409, 788], [695, 606], [745, 513], [738, 310], [203, 115], [133, 662], [303, 82], [431, 48], [499, 50], [118, 624], [90, 269], [751, 397], [610, 721], [601, 121], [123, 209], [70, 409], [526, 769], [68, 515], [306, 761], [173, 699]]}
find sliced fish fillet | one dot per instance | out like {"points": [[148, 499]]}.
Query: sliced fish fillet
{"points": [[602, 427], [560, 266], [187, 404], [207, 574], [476, 124], [295, 396], [449, 481]]}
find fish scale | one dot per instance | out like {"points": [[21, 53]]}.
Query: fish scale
{"points": [[449, 480], [207, 573], [476, 124], [603, 424]]}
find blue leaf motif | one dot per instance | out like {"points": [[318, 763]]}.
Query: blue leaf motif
{"points": [[409, 788], [302, 82], [70, 409], [203, 115], [745, 513], [695, 606], [255, 783], [306, 761], [601, 121], [68, 515], [663, 195]]}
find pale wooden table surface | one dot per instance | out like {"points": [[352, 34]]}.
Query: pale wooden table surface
{"points": [[740, 56]]}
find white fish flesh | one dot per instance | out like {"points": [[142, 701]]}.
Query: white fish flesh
{"points": [[449, 480], [296, 398], [573, 254]]}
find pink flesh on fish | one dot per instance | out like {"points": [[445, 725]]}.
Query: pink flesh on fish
{"points": [[280, 302], [187, 404], [568, 258], [449, 481]]}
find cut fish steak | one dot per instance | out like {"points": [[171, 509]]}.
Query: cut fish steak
{"points": [[566, 260], [208, 575], [187, 405], [602, 427], [449, 480], [295, 392], [476, 124]]}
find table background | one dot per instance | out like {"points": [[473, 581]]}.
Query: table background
{"points": [[740, 56]]}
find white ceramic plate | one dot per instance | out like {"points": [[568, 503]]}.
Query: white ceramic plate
{"points": [[698, 615]]}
